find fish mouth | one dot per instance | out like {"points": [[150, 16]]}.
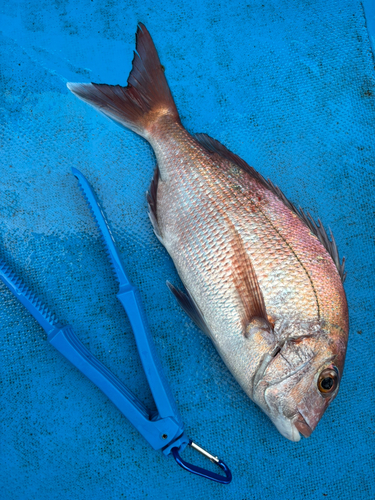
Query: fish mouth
{"points": [[293, 428], [302, 426], [286, 428]]}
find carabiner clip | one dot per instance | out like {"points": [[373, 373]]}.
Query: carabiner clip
{"points": [[194, 469]]}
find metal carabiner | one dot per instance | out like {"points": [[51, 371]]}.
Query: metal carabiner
{"points": [[194, 469]]}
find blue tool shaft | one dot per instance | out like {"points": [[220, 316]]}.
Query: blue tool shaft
{"points": [[130, 299], [159, 386], [106, 233], [34, 305]]}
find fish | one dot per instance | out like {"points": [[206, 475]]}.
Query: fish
{"points": [[262, 279]]}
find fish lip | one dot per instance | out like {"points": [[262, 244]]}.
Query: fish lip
{"points": [[302, 426]]}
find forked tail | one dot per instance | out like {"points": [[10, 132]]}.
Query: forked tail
{"points": [[145, 99]]}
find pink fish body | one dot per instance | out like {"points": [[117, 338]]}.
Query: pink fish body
{"points": [[262, 280]]}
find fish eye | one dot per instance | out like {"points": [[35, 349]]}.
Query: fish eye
{"points": [[328, 381]]}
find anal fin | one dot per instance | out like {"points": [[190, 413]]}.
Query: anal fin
{"points": [[188, 304]]}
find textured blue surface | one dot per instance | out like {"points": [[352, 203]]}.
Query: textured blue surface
{"points": [[289, 86]]}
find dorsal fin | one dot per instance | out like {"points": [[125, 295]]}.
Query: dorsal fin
{"points": [[214, 146], [329, 243], [316, 228]]}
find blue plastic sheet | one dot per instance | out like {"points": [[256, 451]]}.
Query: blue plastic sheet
{"points": [[287, 85]]}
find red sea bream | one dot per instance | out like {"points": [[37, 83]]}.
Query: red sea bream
{"points": [[262, 280]]}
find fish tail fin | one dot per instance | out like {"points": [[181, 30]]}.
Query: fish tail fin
{"points": [[146, 98]]}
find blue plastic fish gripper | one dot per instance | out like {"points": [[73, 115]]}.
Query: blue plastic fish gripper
{"points": [[165, 430]]}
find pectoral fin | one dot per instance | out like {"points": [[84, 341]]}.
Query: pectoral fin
{"points": [[190, 307], [246, 282]]}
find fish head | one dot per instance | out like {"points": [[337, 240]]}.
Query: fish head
{"points": [[301, 379]]}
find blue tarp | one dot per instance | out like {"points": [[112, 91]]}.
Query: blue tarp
{"points": [[289, 86]]}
